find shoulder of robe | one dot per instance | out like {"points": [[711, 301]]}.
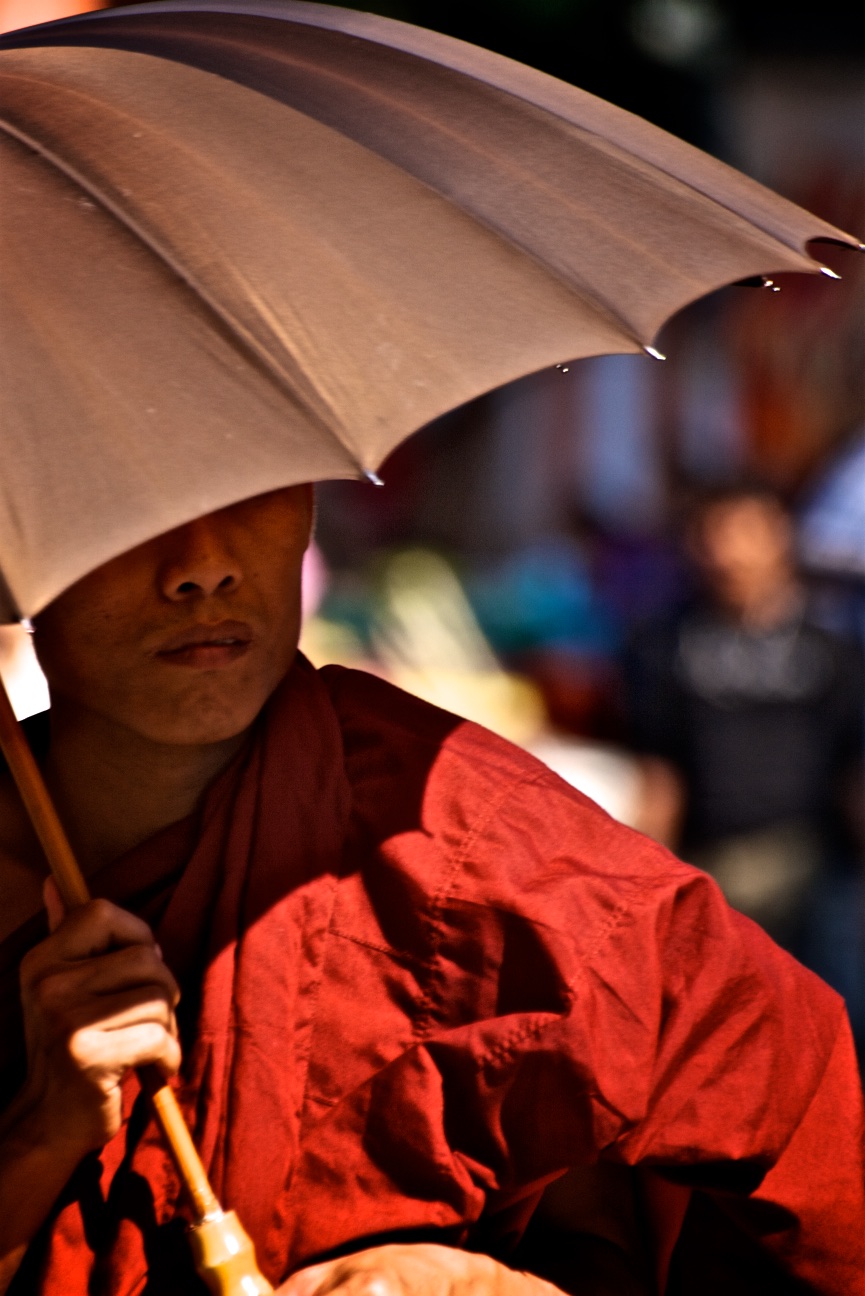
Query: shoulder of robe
{"points": [[480, 835], [510, 824]]}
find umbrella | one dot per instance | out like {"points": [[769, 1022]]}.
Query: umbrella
{"points": [[246, 245], [252, 244]]}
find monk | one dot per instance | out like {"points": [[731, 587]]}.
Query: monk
{"points": [[414, 979]]}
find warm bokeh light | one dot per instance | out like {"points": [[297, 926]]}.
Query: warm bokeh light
{"points": [[26, 13]]}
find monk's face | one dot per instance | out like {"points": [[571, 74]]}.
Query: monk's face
{"points": [[184, 638]]}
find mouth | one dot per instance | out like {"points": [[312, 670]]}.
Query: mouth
{"points": [[207, 647]]}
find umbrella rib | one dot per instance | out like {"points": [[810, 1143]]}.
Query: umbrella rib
{"points": [[571, 281], [504, 74], [459, 56], [238, 333], [567, 276]]}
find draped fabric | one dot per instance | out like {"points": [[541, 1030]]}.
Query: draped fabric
{"points": [[421, 977]]}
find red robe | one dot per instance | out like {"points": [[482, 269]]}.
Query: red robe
{"points": [[421, 977]]}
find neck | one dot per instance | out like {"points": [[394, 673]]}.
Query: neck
{"points": [[115, 788], [769, 608]]}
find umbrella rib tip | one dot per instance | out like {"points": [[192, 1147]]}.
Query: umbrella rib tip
{"points": [[372, 478], [830, 274], [654, 353]]}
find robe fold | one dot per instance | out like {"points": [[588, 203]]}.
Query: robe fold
{"points": [[421, 977]]}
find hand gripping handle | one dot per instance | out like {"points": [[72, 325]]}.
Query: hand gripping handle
{"points": [[225, 1256]]}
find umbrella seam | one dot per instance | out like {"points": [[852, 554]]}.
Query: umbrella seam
{"points": [[239, 335], [572, 282], [355, 26]]}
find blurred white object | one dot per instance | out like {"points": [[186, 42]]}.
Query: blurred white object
{"points": [[427, 640], [424, 622], [832, 528], [25, 683], [610, 777], [328, 643]]}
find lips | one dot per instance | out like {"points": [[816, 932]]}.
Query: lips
{"points": [[207, 646]]}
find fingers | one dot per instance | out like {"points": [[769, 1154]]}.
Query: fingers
{"points": [[306, 1281], [96, 928], [90, 991], [126, 1012], [97, 999], [315, 1280], [136, 967], [420, 1269], [135, 1035], [67, 996], [87, 982], [416, 1269]]}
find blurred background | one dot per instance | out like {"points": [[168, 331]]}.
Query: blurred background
{"points": [[652, 574]]}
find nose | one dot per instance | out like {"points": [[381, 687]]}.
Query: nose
{"points": [[198, 563]]}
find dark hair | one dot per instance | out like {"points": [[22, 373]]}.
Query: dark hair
{"points": [[733, 492]]}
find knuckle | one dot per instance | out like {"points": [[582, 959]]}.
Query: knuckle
{"points": [[153, 1043], [157, 974], [376, 1283], [151, 1037], [158, 968], [139, 960], [101, 911], [159, 1011], [85, 1050], [170, 1057], [93, 1050], [161, 990]]}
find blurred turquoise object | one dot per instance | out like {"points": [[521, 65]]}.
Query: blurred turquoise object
{"points": [[542, 596]]}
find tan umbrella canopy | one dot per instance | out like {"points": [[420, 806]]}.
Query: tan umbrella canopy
{"points": [[249, 244], [246, 245]]}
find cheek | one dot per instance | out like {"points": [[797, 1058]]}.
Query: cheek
{"points": [[276, 592], [80, 650]]}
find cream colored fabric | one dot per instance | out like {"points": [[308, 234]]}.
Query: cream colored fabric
{"points": [[247, 245]]}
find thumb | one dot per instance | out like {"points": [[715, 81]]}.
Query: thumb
{"points": [[54, 906], [306, 1281]]}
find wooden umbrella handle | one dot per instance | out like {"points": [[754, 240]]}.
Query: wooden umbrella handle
{"points": [[73, 892], [40, 807], [224, 1253]]}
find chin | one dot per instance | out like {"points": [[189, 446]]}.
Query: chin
{"points": [[203, 720]]}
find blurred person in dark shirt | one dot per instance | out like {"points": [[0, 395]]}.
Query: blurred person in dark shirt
{"points": [[748, 717]]}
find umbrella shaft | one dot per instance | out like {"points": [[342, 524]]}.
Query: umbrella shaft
{"points": [[73, 891], [176, 1133]]}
